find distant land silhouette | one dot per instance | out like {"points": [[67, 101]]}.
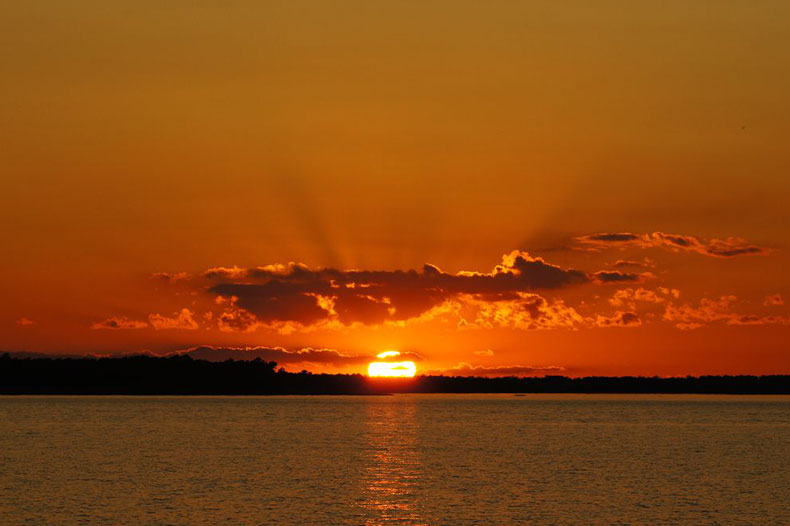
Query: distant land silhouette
{"points": [[183, 375]]}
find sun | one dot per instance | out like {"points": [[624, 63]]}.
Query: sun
{"points": [[404, 369]]}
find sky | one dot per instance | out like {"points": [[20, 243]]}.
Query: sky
{"points": [[491, 188]]}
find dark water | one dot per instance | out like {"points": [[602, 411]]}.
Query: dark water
{"points": [[412, 459]]}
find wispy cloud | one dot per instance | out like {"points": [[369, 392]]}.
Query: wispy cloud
{"points": [[723, 248], [170, 277], [708, 310], [119, 323], [615, 276], [466, 369]]}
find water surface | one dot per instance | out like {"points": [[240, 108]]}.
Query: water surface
{"points": [[406, 459]]}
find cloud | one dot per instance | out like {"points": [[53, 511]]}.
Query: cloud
{"points": [[295, 293], [526, 312], [294, 297], [285, 357], [722, 248], [183, 320], [625, 263], [715, 310], [234, 319], [620, 319], [465, 369], [613, 276], [610, 238], [170, 277], [752, 319], [119, 322], [225, 273], [25, 322], [675, 293], [774, 300], [487, 352], [513, 295], [629, 297], [275, 354]]}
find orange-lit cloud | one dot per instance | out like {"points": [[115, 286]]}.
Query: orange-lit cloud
{"points": [[773, 300], [183, 320], [225, 273], [629, 297], [526, 312], [294, 298], [233, 318], [620, 319]]}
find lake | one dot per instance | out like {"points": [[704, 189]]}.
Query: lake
{"points": [[405, 459]]}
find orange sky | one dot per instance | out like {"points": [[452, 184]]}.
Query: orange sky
{"points": [[144, 137]]}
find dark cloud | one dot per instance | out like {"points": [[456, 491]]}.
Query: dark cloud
{"points": [[613, 276], [278, 300], [283, 356], [723, 248], [727, 252], [119, 322], [613, 238], [297, 293], [625, 263]]}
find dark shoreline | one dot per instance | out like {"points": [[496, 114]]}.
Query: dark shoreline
{"points": [[182, 375]]}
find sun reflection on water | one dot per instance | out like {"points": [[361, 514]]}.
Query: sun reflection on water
{"points": [[393, 465]]}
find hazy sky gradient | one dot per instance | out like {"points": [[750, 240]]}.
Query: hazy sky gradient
{"points": [[142, 137]]}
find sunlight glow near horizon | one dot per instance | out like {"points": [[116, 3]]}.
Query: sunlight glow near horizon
{"points": [[404, 369]]}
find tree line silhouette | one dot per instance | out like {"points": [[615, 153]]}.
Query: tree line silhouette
{"points": [[182, 375]]}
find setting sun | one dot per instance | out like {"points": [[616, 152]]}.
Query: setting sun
{"points": [[405, 369]]}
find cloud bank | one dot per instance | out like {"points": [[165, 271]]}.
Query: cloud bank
{"points": [[296, 293]]}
